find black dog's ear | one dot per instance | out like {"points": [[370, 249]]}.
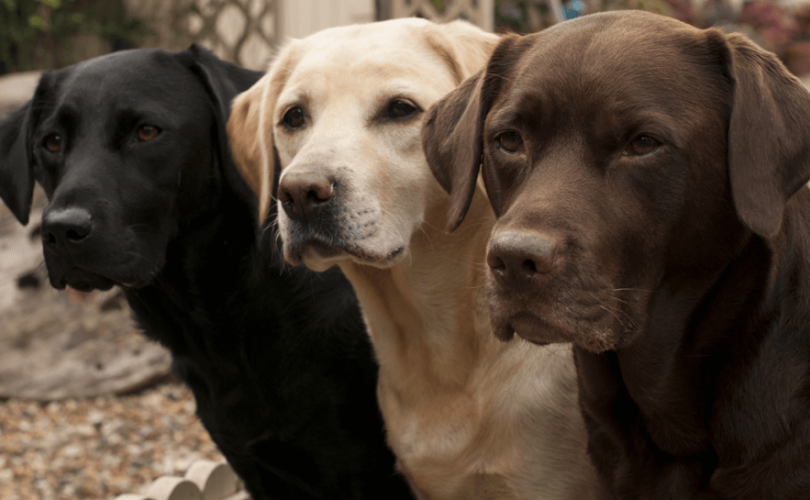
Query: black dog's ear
{"points": [[452, 134], [223, 81], [16, 173], [768, 135], [452, 140]]}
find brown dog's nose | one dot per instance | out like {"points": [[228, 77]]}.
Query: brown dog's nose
{"points": [[304, 195], [68, 226], [517, 259]]}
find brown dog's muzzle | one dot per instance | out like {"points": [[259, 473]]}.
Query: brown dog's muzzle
{"points": [[520, 259]]}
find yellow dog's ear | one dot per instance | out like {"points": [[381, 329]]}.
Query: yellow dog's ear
{"points": [[768, 135], [250, 129], [463, 46]]}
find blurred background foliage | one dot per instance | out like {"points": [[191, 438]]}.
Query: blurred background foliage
{"points": [[782, 26], [37, 34]]}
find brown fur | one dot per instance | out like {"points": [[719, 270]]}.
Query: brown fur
{"points": [[679, 271]]}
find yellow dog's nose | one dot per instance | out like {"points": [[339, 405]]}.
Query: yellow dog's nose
{"points": [[304, 195]]}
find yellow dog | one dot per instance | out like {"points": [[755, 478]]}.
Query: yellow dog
{"points": [[340, 113]]}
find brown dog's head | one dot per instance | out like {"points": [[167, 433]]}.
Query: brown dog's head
{"points": [[340, 113], [625, 154]]}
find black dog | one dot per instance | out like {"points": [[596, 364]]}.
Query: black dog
{"points": [[131, 151], [648, 179]]}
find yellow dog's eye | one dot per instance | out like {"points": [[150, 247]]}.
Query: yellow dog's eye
{"points": [[641, 145], [147, 132], [511, 142], [294, 117], [53, 143], [399, 109]]}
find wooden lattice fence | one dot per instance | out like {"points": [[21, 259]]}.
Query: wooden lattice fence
{"points": [[479, 12], [241, 31]]}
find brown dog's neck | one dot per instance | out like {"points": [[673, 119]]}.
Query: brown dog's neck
{"points": [[753, 287], [427, 316]]}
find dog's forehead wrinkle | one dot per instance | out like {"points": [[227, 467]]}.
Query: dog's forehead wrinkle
{"points": [[604, 107], [609, 62]]}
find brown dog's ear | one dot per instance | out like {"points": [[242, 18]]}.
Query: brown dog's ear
{"points": [[250, 129], [768, 136], [16, 170], [452, 134], [452, 140]]}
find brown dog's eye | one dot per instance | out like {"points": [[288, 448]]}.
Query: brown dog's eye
{"points": [[510, 142], [399, 109], [294, 118], [147, 133], [642, 145], [53, 143]]}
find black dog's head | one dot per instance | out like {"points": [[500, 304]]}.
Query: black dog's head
{"points": [[628, 156], [129, 148]]}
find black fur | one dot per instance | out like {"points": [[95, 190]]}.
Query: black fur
{"points": [[277, 356]]}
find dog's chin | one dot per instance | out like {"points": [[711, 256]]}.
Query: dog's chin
{"points": [[551, 327], [80, 280], [85, 281], [320, 255], [529, 327]]}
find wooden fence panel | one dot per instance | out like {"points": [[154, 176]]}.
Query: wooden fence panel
{"points": [[479, 12]]}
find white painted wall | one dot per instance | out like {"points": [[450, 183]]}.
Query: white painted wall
{"points": [[300, 18]]}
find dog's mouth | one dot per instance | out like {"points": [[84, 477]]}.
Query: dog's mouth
{"points": [[597, 327], [591, 323], [81, 280], [540, 330], [317, 251], [86, 280]]}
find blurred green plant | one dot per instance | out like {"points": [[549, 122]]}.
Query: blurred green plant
{"points": [[439, 5], [521, 16], [39, 34]]}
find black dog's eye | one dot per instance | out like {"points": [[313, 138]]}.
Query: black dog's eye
{"points": [[53, 143], [294, 117], [641, 145], [147, 132], [399, 109], [510, 142]]}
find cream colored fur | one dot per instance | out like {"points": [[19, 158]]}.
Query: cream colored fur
{"points": [[468, 417]]}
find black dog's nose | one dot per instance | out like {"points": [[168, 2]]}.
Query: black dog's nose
{"points": [[68, 226], [304, 195], [517, 259]]}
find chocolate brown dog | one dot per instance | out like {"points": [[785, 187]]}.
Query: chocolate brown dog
{"points": [[649, 183]]}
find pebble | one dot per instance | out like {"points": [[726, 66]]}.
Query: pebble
{"points": [[101, 447]]}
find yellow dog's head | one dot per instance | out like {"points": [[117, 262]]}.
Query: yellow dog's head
{"points": [[340, 113]]}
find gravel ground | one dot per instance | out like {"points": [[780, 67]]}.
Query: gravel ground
{"points": [[100, 447]]}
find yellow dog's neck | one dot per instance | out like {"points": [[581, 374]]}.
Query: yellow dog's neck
{"points": [[468, 416], [427, 316]]}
